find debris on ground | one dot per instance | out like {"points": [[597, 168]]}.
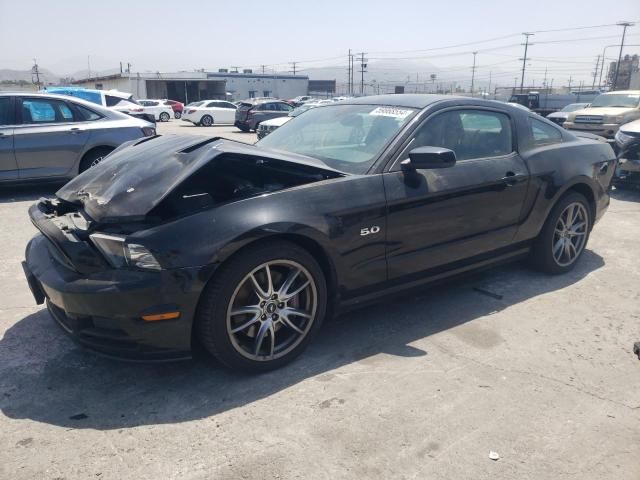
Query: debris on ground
{"points": [[494, 455]]}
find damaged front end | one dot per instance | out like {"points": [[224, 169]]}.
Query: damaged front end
{"points": [[105, 263]]}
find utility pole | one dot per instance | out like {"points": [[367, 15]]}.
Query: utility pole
{"points": [[624, 26], [293, 67], [473, 72], [363, 70], [595, 72], [524, 59], [489, 87], [36, 72], [570, 80], [88, 66], [544, 82], [349, 70], [263, 68]]}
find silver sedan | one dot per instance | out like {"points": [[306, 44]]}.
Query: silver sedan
{"points": [[55, 137]]}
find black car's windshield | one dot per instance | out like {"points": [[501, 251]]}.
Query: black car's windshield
{"points": [[345, 137], [629, 100]]}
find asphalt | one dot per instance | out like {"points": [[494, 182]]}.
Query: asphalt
{"points": [[425, 385]]}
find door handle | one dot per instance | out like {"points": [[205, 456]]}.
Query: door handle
{"points": [[510, 179], [75, 131]]}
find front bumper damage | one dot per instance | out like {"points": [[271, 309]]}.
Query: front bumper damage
{"points": [[102, 307]]}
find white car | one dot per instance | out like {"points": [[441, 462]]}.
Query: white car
{"points": [[209, 112], [160, 111]]}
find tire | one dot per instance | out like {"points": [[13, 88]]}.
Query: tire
{"points": [[206, 121], [243, 128], [255, 129], [234, 338], [558, 247], [177, 115], [93, 157], [164, 117]]}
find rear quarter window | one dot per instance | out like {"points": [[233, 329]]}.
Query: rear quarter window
{"points": [[543, 134]]}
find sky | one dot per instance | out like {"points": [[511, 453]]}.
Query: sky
{"points": [[403, 35]]}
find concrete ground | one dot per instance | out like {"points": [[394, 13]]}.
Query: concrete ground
{"points": [[538, 369]]}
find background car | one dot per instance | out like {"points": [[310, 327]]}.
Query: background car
{"points": [[251, 246], [627, 143], [115, 100], [250, 113], [561, 116], [54, 137], [176, 106], [606, 113], [268, 126], [158, 108], [209, 112]]}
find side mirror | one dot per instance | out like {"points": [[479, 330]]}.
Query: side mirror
{"points": [[428, 158]]}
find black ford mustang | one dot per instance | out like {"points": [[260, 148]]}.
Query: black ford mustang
{"points": [[246, 249]]}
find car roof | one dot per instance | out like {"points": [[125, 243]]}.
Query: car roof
{"points": [[412, 100]]}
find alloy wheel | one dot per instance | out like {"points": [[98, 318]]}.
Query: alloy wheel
{"points": [[272, 310], [570, 234]]}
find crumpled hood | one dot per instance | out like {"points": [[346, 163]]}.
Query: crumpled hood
{"points": [[138, 175]]}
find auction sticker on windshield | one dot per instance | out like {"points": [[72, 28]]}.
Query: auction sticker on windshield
{"points": [[391, 112]]}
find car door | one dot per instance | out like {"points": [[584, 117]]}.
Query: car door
{"points": [[227, 112], [49, 139], [445, 215], [8, 164]]}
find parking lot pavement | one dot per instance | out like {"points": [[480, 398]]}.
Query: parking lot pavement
{"points": [[174, 126], [538, 369]]}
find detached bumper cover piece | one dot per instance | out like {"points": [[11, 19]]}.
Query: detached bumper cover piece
{"points": [[103, 310]]}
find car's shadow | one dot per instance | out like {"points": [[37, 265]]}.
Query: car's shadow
{"points": [[627, 194], [28, 192], [44, 377]]}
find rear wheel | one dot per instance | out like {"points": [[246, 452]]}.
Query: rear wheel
{"points": [[93, 157], [564, 235], [243, 128], [262, 309], [206, 121], [164, 117]]}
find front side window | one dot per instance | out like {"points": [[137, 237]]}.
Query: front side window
{"points": [[469, 133], [36, 110], [543, 133], [345, 137]]}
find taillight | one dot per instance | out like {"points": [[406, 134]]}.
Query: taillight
{"points": [[193, 110], [137, 110], [148, 131]]}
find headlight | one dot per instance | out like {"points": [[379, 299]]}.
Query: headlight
{"points": [[571, 117], [139, 256], [615, 119], [622, 137], [148, 131], [121, 254]]}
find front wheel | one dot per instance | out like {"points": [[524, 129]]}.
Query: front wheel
{"points": [[177, 115], [564, 235], [262, 309], [164, 117]]}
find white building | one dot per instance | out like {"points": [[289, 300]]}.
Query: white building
{"points": [[192, 86]]}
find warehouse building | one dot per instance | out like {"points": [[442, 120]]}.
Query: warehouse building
{"points": [[192, 86]]}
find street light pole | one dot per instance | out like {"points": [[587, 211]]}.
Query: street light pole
{"points": [[624, 26]]}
